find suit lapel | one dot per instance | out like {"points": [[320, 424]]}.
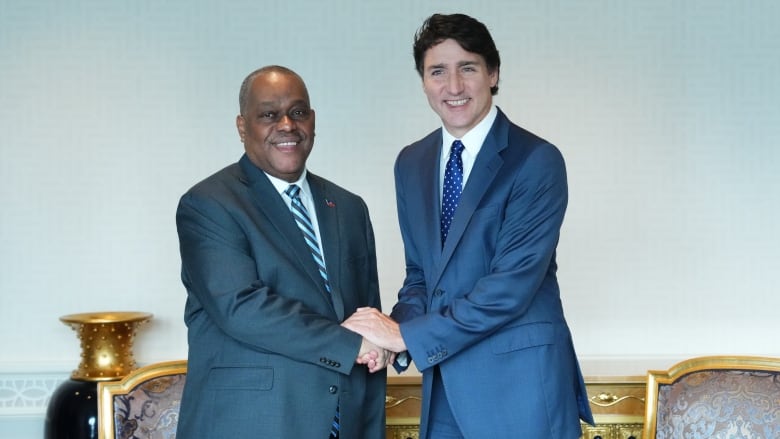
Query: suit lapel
{"points": [[485, 169], [429, 188], [328, 219], [424, 199], [268, 201]]}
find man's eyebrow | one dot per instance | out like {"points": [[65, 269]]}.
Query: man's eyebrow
{"points": [[459, 64]]}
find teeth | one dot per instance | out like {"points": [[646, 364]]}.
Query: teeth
{"points": [[458, 102], [283, 144]]}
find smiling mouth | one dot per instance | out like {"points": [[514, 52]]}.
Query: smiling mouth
{"points": [[287, 144], [457, 103]]}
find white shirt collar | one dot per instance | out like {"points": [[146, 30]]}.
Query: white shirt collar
{"points": [[473, 139], [282, 185], [306, 198], [472, 142]]}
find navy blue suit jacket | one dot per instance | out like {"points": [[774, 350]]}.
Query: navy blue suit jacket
{"points": [[486, 307]]}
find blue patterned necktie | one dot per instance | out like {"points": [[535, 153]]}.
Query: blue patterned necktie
{"points": [[304, 223], [453, 186], [301, 215]]}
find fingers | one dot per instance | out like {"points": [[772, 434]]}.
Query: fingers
{"points": [[380, 329], [385, 359], [368, 352], [374, 357]]}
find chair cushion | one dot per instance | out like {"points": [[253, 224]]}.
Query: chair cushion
{"points": [[150, 410], [720, 404]]}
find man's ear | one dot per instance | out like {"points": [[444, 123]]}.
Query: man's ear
{"points": [[241, 127], [494, 78]]}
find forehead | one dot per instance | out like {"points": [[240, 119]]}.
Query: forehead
{"points": [[278, 88], [449, 51]]}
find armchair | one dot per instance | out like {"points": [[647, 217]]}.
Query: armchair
{"points": [[720, 397], [144, 404]]}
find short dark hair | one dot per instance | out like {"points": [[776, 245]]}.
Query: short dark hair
{"points": [[472, 35], [243, 93]]}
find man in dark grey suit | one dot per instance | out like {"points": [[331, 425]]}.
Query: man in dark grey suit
{"points": [[273, 259]]}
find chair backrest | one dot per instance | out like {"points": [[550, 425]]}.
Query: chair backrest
{"points": [[143, 404], [724, 397]]}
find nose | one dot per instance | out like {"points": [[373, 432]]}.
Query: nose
{"points": [[455, 83], [285, 123]]}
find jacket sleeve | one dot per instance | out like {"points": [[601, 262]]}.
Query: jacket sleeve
{"points": [[412, 297]]}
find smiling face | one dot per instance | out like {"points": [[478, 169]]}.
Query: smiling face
{"points": [[457, 84], [277, 124]]}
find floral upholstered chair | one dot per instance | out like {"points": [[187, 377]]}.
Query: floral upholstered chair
{"points": [[144, 404], [729, 397]]}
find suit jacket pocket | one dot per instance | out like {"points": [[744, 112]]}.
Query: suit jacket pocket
{"points": [[522, 337], [241, 378]]}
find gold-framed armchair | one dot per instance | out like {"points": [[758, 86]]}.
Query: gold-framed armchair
{"points": [[720, 397], [143, 404]]}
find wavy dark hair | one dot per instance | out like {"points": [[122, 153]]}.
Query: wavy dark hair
{"points": [[471, 34]]}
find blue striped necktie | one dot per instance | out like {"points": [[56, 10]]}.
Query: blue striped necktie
{"points": [[304, 223], [301, 215], [453, 186]]}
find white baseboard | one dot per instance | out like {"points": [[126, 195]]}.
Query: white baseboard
{"points": [[21, 427]]}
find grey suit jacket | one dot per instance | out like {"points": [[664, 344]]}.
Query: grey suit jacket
{"points": [[267, 356]]}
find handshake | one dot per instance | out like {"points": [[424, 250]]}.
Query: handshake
{"points": [[382, 339]]}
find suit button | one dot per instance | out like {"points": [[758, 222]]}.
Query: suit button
{"points": [[438, 292], [333, 389]]}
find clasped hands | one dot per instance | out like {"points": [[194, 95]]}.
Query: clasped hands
{"points": [[382, 339]]}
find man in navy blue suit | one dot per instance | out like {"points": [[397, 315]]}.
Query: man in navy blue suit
{"points": [[480, 311]]}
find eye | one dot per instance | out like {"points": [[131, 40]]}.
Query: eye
{"points": [[268, 115], [437, 72], [300, 113]]}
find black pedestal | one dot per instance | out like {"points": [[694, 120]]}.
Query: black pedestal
{"points": [[73, 411]]}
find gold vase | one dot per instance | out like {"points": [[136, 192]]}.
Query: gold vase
{"points": [[106, 343], [106, 355]]}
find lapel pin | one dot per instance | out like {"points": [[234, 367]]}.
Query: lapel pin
{"points": [[329, 203]]}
